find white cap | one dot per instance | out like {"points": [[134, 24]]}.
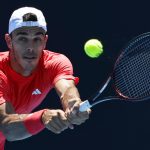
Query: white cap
{"points": [[16, 19]]}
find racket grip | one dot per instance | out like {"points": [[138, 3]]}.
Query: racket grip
{"points": [[84, 106]]}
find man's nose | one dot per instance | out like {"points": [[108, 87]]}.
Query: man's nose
{"points": [[30, 50]]}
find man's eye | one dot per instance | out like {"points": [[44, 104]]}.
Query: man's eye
{"points": [[23, 39], [37, 40]]}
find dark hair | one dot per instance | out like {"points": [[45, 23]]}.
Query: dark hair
{"points": [[29, 17]]}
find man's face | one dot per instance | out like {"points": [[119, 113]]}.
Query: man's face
{"points": [[27, 46]]}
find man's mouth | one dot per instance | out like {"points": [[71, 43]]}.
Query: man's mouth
{"points": [[29, 57]]}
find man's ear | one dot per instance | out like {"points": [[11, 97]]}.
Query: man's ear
{"points": [[45, 41], [8, 40]]}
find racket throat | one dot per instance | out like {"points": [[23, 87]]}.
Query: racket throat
{"points": [[102, 89]]}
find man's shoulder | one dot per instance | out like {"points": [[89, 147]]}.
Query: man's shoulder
{"points": [[50, 55], [4, 56], [52, 59]]}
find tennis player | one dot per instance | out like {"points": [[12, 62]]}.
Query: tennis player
{"points": [[27, 73]]}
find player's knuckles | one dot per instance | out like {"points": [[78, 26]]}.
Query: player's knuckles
{"points": [[57, 115], [78, 118], [69, 115], [66, 122], [51, 128], [53, 119], [62, 127], [75, 120], [54, 127], [50, 115], [62, 122], [84, 115], [71, 118], [78, 122], [54, 122], [56, 131]]}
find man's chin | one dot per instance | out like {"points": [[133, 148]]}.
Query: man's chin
{"points": [[29, 67], [29, 64]]}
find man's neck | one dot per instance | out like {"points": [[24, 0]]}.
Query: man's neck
{"points": [[17, 68]]}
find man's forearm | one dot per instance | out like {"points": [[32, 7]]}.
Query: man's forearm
{"points": [[21, 126], [70, 96], [13, 127]]}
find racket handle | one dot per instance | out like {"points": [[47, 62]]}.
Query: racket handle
{"points": [[84, 106]]}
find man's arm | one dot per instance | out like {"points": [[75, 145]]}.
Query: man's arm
{"points": [[11, 124], [20, 126], [70, 100], [67, 92]]}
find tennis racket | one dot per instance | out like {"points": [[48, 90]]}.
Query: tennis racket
{"points": [[130, 76]]}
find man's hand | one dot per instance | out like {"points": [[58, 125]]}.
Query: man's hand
{"points": [[55, 120], [74, 115], [70, 99]]}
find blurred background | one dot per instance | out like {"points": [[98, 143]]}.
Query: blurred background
{"points": [[112, 125]]}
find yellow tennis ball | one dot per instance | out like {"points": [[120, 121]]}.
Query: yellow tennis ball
{"points": [[93, 48]]}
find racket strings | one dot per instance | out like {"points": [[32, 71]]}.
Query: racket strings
{"points": [[137, 44], [132, 70], [137, 80], [131, 91], [130, 66]]}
